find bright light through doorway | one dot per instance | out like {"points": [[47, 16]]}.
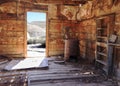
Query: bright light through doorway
{"points": [[36, 34], [36, 16]]}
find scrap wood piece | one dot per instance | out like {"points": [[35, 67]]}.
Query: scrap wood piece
{"points": [[33, 80], [3, 59], [13, 80], [59, 62], [2, 62]]}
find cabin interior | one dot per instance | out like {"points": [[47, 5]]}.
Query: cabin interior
{"points": [[82, 43]]}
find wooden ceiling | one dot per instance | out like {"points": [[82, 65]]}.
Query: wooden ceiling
{"points": [[68, 2]]}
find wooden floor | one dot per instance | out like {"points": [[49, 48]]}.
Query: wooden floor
{"points": [[58, 74]]}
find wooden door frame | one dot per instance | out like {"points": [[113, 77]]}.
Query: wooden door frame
{"points": [[25, 32]]}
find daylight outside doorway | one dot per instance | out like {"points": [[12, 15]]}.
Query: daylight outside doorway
{"points": [[36, 34]]}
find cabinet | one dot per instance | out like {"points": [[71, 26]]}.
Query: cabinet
{"points": [[103, 50], [102, 41]]}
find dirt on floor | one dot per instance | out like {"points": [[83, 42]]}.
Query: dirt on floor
{"points": [[59, 73]]}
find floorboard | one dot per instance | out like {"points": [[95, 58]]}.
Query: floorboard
{"points": [[65, 74]]}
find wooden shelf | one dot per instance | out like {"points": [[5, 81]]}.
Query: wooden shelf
{"points": [[102, 62], [104, 49], [113, 44], [101, 28], [104, 37], [103, 54], [101, 44]]}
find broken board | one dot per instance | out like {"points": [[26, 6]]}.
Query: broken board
{"points": [[27, 63]]}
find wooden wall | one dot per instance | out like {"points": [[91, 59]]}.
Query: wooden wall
{"points": [[87, 38], [56, 26], [12, 27], [87, 27], [80, 19]]}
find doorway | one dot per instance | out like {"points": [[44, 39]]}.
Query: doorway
{"points": [[36, 34]]}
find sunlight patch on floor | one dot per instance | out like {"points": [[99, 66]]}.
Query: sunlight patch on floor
{"points": [[24, 63]]}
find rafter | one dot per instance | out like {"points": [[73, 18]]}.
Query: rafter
{"points": [[5, 1], [48, 1]]}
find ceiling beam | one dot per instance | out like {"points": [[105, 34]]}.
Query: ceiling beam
{"points": [[68, 2], [5, 1]]}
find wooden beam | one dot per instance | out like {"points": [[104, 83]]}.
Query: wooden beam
{"points": [[70, 2], [5, 1]]}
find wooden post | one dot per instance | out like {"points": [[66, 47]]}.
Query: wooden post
{"points": [[110, 60]]}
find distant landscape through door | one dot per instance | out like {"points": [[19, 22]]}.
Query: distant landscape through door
{"points": [[36, 34]]}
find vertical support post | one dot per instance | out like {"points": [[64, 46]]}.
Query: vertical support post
{"points": [[110, 60]]}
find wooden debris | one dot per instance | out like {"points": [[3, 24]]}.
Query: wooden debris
{"points": [[4, 59]]}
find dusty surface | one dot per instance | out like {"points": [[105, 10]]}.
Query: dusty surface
{"points": [[58, 74], [36, 50]]}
